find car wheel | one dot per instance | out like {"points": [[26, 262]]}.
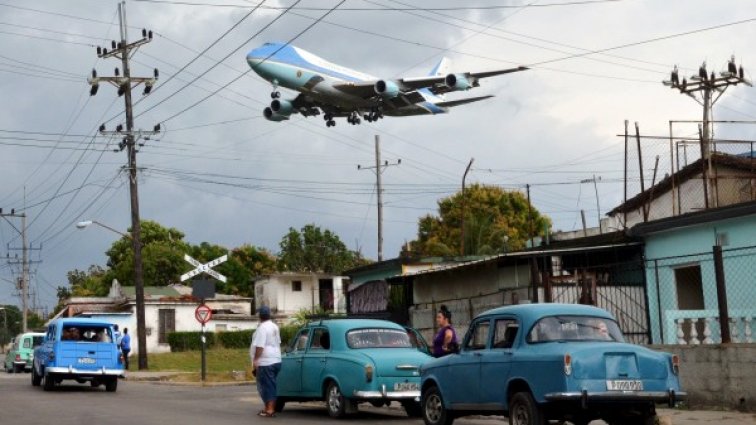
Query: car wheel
{"points": [[523, 410], [335, 401], [7, 369], [48, 382], [413, 409], [280, 403], [432, 408], [35, 379], [111, 385]]}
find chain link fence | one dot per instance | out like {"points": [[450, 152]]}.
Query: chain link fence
{"points": [[705, 298]]}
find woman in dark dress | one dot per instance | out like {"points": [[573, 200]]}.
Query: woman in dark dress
{"points": [[445, 341]]}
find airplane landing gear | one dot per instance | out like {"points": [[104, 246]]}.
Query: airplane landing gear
{"points": [[275, 95], [374, 115], [329, 120], [354, 118]]}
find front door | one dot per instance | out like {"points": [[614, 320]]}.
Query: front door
{"points": [[289, 380], [496, 363], [315, 362], [465, 367]]}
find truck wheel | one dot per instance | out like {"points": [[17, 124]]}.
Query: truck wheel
{"points": [[48, 382], [111, 385], [335, 401], [432, 408], [36, 379], [523, 410]]}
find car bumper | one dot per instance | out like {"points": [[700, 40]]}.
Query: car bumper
{"points": [[384, 394], [72, 371], [670, 397]]}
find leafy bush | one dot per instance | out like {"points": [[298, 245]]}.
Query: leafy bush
{"points": [[189, 341], [235, 339]]}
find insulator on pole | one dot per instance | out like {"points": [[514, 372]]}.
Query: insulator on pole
{"points": [[113, 44], [117, 72], [156, 73], [144, 33], [99, 51]]}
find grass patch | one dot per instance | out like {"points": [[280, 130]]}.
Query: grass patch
{"points": [[219, 361]]}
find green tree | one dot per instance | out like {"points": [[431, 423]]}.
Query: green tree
{"points": [[312, 249], [163, 252], [496, 220]]}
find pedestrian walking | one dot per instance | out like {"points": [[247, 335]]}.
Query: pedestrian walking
{"points": [[265, 352], [445, 341], [117, 336], [126, 347]]}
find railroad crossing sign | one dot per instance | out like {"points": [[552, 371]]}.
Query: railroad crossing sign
{"points": [[204, 268], [203, 314]]}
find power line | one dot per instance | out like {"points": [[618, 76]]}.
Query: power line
{"points": [[368, 9]]}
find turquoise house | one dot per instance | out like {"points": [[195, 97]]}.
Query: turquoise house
{"points": [[681, 280]]}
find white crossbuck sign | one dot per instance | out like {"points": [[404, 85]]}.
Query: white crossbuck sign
{"points": [[204, 268]]}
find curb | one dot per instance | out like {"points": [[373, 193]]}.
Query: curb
{"points": [[161, 380]]}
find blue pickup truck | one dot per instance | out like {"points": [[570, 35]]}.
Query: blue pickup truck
{"points": [[83, 350]]}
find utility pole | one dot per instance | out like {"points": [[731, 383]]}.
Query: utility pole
{"points": [[464, 210], [709, 89], [23, 281], [378, 169], [598, 208], [124, 50]]}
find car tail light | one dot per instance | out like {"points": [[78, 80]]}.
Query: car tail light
{"points": [[18, 357], [676, 364], [567, 364], [369, 373]]}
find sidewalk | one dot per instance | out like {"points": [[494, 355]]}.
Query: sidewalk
{"points": [[687, 417], [167, 378]]}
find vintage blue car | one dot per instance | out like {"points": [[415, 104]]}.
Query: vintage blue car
{"points": [[349, 361], [83, 350], [540, 362]]}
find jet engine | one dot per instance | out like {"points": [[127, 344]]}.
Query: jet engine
{"points": [[457, 82], [386, 89], [281, 107], [272, 116]]}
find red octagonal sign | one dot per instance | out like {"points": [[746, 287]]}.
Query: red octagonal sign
{"points": [[203, 314]]}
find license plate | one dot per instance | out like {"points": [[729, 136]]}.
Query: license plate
{"points": [[624, 385], [86, 360], [406, 386]]}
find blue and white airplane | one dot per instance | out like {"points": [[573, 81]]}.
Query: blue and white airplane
{"points": [[337, 91]]}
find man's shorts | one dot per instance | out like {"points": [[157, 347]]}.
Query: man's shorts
{"points": [[266, 381]]}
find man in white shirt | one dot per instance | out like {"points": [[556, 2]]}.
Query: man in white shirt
{"points": [[265, 352]]}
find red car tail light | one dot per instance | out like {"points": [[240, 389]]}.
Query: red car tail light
{"points": [[676, 364], [567, 364]]}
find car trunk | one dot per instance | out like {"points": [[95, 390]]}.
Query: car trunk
{"points": [[86, 355], [616, 361], [396, 362]]}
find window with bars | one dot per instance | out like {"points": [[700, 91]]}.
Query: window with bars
{"points": [[166, 324]]}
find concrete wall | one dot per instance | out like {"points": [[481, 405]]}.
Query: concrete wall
{"points": [[717, 376], [276, 291], [466, 292]]}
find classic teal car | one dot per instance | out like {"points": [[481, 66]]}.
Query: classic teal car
{"points": [[350, 361], [21, 355], [540, 362]]}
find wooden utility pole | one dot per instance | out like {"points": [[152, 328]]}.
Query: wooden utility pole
{"points": [[23, 281], [378, 168], [640, 168], [464, 210], [709, 88], [123, 50]]}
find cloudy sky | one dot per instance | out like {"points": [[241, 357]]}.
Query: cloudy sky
{"points": [[223, 174]]}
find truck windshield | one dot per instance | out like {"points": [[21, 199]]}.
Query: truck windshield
{"points": [[575, 328], [86, 333], [378, 338]]}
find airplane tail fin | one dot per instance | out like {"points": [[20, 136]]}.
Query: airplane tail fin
{"points": [[441, 68]]}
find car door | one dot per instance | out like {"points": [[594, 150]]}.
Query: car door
{"points": [[290, 377], [465, 367], [496, 362], [315, 362]]}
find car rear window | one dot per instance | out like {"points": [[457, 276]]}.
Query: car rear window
{"points": [[38, 340], [575, 328], [86, 333], [378, 338]]}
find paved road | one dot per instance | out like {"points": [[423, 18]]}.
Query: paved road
{"points": [[138, 403]]}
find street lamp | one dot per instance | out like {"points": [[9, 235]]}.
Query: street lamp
{"points": [[139, 290]]}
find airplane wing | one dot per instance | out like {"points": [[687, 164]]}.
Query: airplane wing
{"points": [[451, 103], [437, 84]]}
